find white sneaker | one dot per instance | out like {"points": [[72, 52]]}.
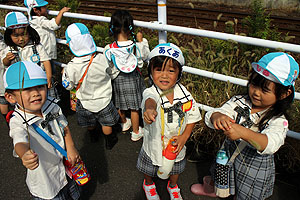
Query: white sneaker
{"points": [[150, 191], [136, 136], [126, 126], [174, 192]]}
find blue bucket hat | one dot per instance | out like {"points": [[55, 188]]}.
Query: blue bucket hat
{"points": [[278, 67], [15, 20], [24, 74], [80, 41]]}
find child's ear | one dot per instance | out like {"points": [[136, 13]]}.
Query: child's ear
{"points": [[10, 98], [36, 11], [285, 95]]}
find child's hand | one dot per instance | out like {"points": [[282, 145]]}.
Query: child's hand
{"points": [[221, 121], [235, 132], [139, 37], [180, 141], [73, 155], [64, 9], [150, 115], [10, 56], [30, 159]]}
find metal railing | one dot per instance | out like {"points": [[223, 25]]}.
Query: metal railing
{"points": [[163, 27]]}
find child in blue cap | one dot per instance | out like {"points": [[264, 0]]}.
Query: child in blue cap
{"points": [[37, 11], [256, 126], [26, 86], [88, 73], [23, 43]]}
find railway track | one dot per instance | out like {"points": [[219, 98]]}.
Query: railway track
{"points": [[189, 15]]}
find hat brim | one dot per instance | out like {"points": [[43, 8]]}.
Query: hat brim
{"points": [[27, 84]]}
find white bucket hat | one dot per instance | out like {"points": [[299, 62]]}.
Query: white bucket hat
{"points": [[80, 41], [169, 50], [15, 20], [278, 67], [29, 4]]}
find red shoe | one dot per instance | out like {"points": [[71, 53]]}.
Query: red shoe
{"points": [[204, 189]]}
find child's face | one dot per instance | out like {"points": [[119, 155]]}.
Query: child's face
{"points": [[44, 11], [32, 99], [165, 78], [20, 37], [262, 98]]}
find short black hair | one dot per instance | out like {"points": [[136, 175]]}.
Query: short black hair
{"points": [[32, 13], [33, 36]]}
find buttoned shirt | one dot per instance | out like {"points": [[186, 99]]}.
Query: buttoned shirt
{"points": [[49, 177], [275, 129], [26, 53], [152, 141], [45, 29], [95, 92]]}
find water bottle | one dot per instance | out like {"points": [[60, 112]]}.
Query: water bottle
{"points": [[168, 160]]}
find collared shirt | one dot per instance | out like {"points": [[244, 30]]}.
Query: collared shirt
{"points": [[275, 129], [26, 53], [49, 177], [45, 29], [152, 142], [2, 67], [142, 48], [95, 92]]}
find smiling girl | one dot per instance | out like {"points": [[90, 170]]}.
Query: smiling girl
{"points": [[259, 120]]}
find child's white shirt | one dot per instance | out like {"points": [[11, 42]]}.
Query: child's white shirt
{"points": [[50, 176], [2, 67], [95, 92], [26, 52], [45, 29], [142, 50], [152, 142], [275, 131]]}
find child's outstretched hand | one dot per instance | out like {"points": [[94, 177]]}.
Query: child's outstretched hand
{"points": [[221, 121], [73, 155], [30, 159], [150, 115], [64, 9]]}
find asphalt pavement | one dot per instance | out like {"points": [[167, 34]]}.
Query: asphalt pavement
{"points": [[113, 172]]}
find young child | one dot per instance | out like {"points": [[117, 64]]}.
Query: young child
{"points": [[170, 112], [37, 11], [25, 84], [23, 43], [125, 58], [3, 102], [87, 72], [259, 120]]}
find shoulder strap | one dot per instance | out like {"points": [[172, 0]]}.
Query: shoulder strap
{"points": [[50, 140], [81, 80]]}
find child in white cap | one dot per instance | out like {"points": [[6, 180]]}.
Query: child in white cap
{"points": [[26, 87], [23, 43], [87, 72], [170, 113], [37, 11], [126, 57], [256, 126], [3, 102]]}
